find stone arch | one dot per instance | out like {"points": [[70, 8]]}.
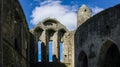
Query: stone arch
{"points": [[50, 33], [50, 43], [49, 22], [38, 29], [37, 33], [109, 55], [82, 59], [61, 33]]}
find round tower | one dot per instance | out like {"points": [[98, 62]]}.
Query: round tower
{"points": [[83, 14]]}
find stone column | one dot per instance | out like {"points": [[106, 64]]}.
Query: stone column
{"points": [[66, 43], [55, 48]]}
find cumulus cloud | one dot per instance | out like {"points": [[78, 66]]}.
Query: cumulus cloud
{"points": [[54, 9], [96, 10]]}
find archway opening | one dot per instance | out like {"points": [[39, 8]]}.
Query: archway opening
{"points": [[50, 51], [112, 57], [83, 61], [38, 31], [109, 55], [61, 33], [50, 40], [39, 52], [61, 51]]}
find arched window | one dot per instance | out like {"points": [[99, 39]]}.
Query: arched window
{"points": [[82, 58], [39, 52], [37, 33], [61, 35], [109, 55], [61, 51], [50, 51], [50, 34]]}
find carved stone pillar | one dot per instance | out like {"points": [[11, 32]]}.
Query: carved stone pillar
{"points": [[55, 48]]}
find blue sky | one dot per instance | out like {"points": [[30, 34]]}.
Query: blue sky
{"points": [[64, 11]]}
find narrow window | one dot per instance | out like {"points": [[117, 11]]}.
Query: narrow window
{"points": [[39, 51], [50, 51], [61, 51], [16, 44]]}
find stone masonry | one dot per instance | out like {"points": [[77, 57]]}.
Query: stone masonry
{"points": [[95, 42], [14, 43]]}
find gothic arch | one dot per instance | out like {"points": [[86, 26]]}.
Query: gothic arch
{"points": [[82, 59], [50, 33], [38, 31], [61, 33], [49, 21], [50, 43], [62, 30], [109, 55]]}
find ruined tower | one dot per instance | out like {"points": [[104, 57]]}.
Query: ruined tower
{"points": [[83, 14]]}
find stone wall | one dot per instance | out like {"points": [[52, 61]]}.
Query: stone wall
{"points": [[15, 35], [0, 33], [83, 14], [93, 39], [32, 49], [52, 30], [69, 42]]}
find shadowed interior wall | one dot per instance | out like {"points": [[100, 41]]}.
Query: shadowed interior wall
{"points": [[15, 35], [91, 36], [1, 13]]}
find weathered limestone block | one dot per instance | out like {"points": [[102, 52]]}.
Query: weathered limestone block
{"points": [[84, 13]]}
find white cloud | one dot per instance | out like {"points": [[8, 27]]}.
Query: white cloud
{"points": [[53, 9], [96, 10]]}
